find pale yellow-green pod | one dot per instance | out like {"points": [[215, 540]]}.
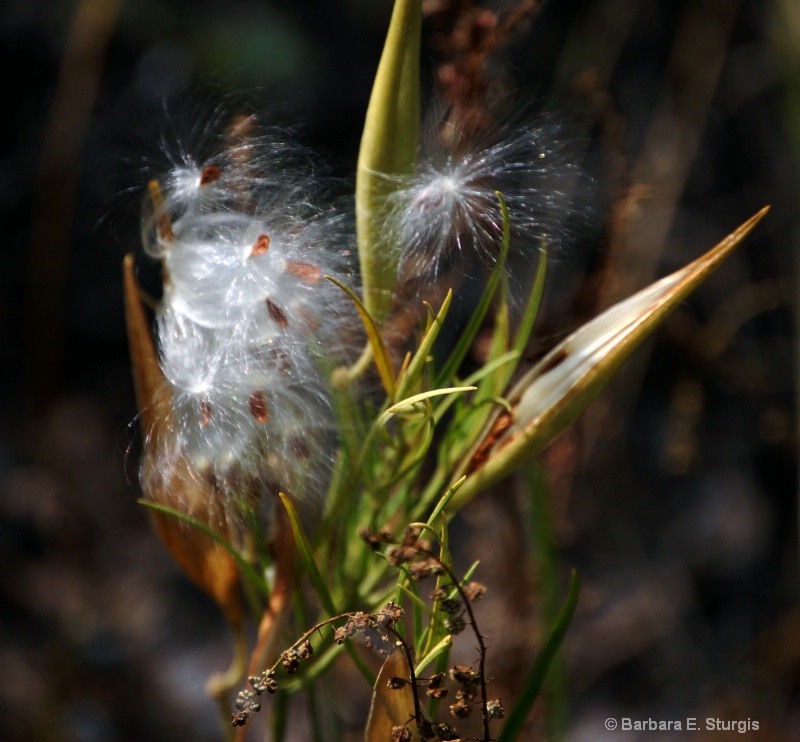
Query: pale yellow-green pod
{"points": [[560, 386], [388, 153]]}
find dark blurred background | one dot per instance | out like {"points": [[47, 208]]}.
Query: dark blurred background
{"points": [[675, 495]]}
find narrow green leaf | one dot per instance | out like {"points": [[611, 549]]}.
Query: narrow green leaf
{"points": [[375, 343], [442, 504], [244, 567], [412, 596], [415, 368], [280, 715], [307, 556], [415, 404], [529, 316], [388, 153], [515, 720], [315, 576], [442, 646]]}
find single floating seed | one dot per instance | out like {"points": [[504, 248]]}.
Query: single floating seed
{"points": [[209, 175], [258, 407], [261, 246], [277, 314], [306, 272], [205, 413]]}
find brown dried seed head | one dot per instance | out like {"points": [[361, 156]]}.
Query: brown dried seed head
{"points": [[474, 590], [411, 535], [466, 693], [436, 687], [261, 246], [455, 625], [451, 606], [209, 175], [258, 407], [464, 674], [370, 538], [494, 709], [389, 615], [305, 650], [290, 660], [401, 555], [444, 731]]}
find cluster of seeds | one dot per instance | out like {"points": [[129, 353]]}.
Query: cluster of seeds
{"points": [[376, 628], [381, 624], [249, 330], [247, 701], [379, 632], [248, 326], [247, 322]]}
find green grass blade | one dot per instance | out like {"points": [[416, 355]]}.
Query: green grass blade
{"points": [[318, 583], [413, 406], [414, 371], [244, 566], [379, 352], [515, 721], [443, 645], [307, 557]]}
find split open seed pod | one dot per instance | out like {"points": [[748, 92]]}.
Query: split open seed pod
{"points": [[560, 386]]}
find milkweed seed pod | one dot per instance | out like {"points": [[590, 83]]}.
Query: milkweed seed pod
{"points": [[246, 327]]}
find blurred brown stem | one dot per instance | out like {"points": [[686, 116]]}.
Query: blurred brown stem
{"points": [[62, 150]]}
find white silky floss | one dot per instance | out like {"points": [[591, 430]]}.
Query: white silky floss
{"points": [[448, 212], [246, 320]]}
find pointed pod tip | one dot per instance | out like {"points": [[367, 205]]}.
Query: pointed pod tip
{"points": [[557, 389], [754, 220], [748, 226]]}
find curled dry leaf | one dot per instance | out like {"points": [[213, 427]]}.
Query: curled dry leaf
{"points": [[204, 560], [391, 706]]}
